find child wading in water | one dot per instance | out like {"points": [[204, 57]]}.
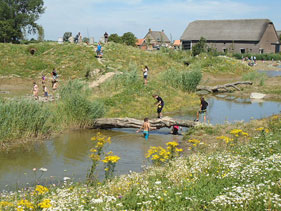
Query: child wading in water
{"points": [[35, 90], [145, 74], [203, 109], [146, 128], [159, 104]]}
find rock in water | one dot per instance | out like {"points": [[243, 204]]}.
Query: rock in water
{"points": [[256, 95]]}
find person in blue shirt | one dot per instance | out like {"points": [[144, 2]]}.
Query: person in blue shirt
{"points": [[99, 50]]}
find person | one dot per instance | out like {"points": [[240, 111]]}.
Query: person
{"points": [[99, 50], [77, 37], [54, 85], [175, 130], [203, 109], [54, 74], [43, 79], [105, 37], [159, 104], [45, 90], [255, 59], [146, 128], [35, 91], [145, 74]]}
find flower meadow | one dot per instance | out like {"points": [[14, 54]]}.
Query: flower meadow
{"points": [[245, 175]]}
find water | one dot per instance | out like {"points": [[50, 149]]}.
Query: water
{"points": [[270, 73], [67, 155]]}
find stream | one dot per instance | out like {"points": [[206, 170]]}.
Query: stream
{"points": [[67, 155]]}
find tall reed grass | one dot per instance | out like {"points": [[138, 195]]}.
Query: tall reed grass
{"points": [[21, 118]]}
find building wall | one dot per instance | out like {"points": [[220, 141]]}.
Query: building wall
{"points": [[262, 46], [268, 38]]}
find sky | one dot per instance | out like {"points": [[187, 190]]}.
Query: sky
{"points": [[94, 17]]}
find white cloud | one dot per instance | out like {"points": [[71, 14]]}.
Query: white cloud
{"points": [[136, 16]]}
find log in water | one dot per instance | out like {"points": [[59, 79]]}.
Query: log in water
{"points": [[108, 123]]}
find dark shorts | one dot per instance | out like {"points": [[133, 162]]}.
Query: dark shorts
{"points": [[202, 111], [159, 109], [145, 76]]}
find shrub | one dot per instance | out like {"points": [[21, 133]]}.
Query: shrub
{"points": [[129, 39], [76, 106], [115, 38], [199, 47]]}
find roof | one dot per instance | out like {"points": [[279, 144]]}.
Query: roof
{"points": [[279, 33], [140, 41], [177, 43], [244, 29], [158, 36]]}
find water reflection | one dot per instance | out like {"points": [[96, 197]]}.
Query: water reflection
{"points": [[270, 73]]}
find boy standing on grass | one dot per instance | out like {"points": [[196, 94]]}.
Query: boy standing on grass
{"points": [[145, 74], [159, 104], [146, 128], [203, 109]]}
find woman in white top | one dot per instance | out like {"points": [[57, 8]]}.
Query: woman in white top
{"points": [[145, 74]]}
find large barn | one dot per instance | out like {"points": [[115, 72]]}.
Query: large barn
{"points": [[238, 36]]}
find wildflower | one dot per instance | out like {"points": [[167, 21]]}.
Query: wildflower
{"points": [[25, 204], [43, 169], [34, 169], [111, 159], [5, 204], [158, 182], [172, 144], [46, 203], [95, 157], [41, 189], [66, 178]]}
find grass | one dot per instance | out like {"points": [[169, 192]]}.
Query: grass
{"points": [[244, 174], [71, 61], [21, 119]]}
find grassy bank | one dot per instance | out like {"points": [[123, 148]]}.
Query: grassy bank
{"points": [[21, 118], [239, 173]]}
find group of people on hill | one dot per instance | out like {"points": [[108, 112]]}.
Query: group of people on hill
{"points": [[35, 89]]}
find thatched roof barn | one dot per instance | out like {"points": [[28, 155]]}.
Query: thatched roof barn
{"points": [[241, 36]]}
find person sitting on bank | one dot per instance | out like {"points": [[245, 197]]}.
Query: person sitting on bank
{"points": [[159, 104], [146, 128], [203, 109]]}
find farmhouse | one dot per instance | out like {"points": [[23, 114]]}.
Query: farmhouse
{"points": [[157, 38], [237, 36]]}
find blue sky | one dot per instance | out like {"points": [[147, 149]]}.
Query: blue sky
{"points": [[94, 17]]}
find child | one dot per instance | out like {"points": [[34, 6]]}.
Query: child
{"points": [[203, 109], [35, 90], [146, 128], [45, 90], [145, 74], [99, 50], [159, 104], [175, 130], [54, 74]]}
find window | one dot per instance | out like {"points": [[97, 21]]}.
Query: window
{"points": [[261, 50], [224, 50], [242, 50]]}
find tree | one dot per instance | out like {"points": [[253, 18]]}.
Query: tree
{"points": [[41, 34], [17, 16], [200, 47], [129, 39], [115, 38], [66, 36]]}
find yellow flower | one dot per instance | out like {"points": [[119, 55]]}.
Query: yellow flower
{"points": [[260, 129], [172, 144], [46, 203], [95, 157], [25, 203], [41, 189], [5, 204], [111, 159]]}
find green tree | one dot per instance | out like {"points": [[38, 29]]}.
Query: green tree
{"points": [[17, 16], [115, 38], [129, 39], [199, 47]]}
